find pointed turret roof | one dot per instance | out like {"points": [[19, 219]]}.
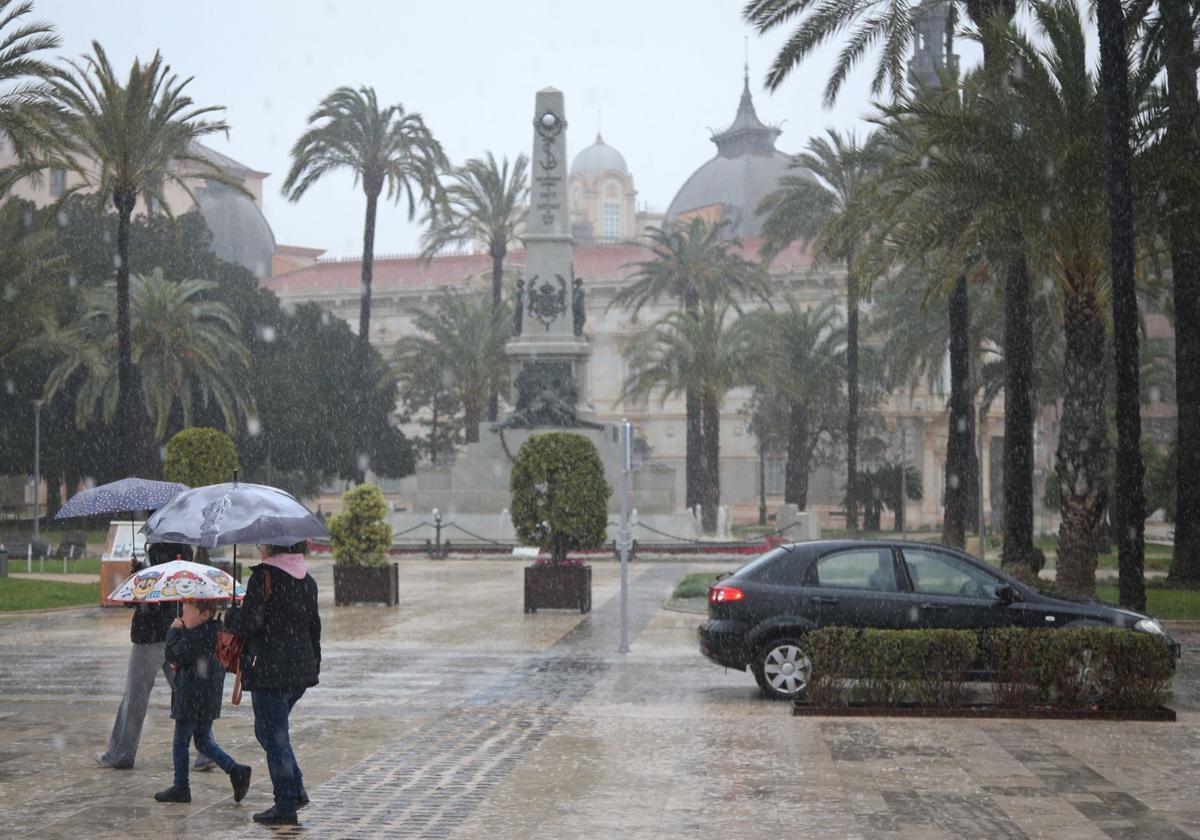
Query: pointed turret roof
{"points": [[747, 134]]}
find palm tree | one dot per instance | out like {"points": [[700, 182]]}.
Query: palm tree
{"points": [[799, 355], [824, 213], [382, 146], [695, 262], [23, 73], [187, 350], [488, 204], [706, 353], [123, 141], [462, 337]]}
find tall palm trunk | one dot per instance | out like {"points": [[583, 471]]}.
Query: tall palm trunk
{"points": [[694, 456], [1129, 506], [364, 316], [130, 408], [851, 395], [1017, 554], [1183, 120], [1082, 460], [498, 254], [795, 477], [958, 440], [710, 496]]}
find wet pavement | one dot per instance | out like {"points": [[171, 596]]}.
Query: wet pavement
{"points": [[455, 715]]}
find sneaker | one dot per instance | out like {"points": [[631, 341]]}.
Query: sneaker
{"points": [[273, 816], [104, 761], [203, 763], [239, 777], [174, 794]]}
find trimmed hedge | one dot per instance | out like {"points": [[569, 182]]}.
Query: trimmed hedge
{"points": [[199, 456], [1072, 668], [559, 495]]}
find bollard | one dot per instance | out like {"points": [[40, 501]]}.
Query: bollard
{"points": [[3, 563]]}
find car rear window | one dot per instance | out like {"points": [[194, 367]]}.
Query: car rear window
{"points": [[855, 568]]}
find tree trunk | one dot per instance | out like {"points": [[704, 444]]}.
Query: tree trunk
{"points": [[795, 477], [131, 412], [364, 322], [694, 455], [1129, 504], [710, 497], [433, 432], [1017, 553], [498, 254], [1183, 120], [851, 396], [473, 411], [1082, 460], [958, 440]]}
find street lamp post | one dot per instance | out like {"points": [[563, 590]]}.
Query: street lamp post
{"points": [[762, 486], [37, 479]]}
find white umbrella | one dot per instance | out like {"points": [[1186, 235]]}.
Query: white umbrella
{"points": [[178, 580]]}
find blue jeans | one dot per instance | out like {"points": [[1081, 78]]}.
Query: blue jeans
{"points": [[271, 710], [201, 732]]}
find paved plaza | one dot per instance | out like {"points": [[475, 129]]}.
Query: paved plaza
{"points": [[456, 715]]}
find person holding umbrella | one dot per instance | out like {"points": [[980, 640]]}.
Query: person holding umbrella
{"points": [[148, 633], [281, 660], [278, 619]]}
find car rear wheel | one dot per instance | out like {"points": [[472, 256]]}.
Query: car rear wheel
{"points": [[782, 668]]}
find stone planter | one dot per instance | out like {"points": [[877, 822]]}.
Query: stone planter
{"points": [[366, 585], [558, 587]]}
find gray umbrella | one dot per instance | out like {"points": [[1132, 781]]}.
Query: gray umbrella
{"points": [[122, 496], [234, 514]]}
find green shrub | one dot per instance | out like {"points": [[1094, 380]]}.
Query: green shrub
{"points": [[559, 495], [938, 664], [1012, 655], [200, 456], [832, 651], [360, 536]]}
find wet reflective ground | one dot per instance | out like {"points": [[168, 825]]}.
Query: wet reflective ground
{"points": [[456, 715]]}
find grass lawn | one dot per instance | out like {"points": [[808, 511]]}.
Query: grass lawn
{"points": [[1161, 602], [694, 585], [16, 594]]}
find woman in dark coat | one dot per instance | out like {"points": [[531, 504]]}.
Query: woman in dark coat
{"points": [[281, 659]]}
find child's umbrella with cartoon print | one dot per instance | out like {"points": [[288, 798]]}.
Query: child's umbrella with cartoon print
{"points": [[178, 580]]}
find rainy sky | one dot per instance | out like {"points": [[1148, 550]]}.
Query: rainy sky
{"points": [[654, 76]]}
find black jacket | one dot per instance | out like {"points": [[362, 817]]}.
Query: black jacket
{"points": [[197, 685], [151, 622], [282, 632]]}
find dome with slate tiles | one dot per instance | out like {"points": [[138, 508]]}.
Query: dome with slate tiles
{"points": [[745, 170], [599, 158]]}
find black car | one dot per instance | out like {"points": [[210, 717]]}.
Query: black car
{"points": [[758, 616]]}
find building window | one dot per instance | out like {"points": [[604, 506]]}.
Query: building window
{"points": [[58, 182], [612, 221], [773, 472]]}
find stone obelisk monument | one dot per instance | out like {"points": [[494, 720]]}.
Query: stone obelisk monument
{"points": [[549, 356]]}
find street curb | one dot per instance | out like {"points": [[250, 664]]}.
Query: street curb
{"points": [[21, 613]]}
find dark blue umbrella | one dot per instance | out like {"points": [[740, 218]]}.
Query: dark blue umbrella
{"points": [[128, 494]]}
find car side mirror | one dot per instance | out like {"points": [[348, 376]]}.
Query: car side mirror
{"points": [[1006, 595]]}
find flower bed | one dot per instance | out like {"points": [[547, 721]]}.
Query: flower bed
{"points": [[1073, 673]]}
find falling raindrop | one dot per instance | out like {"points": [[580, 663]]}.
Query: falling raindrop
{"points": [[1155, 394], [253, 426], [324, 318], [1162, 198], [27, 218], [288, 308], [62, 218], [10, 291], [59, 741], [10, 387], [267, 333], [1046, 213], [117, 261], [961, 425], [364, 462], [953, 482], [1132, 533], [162, 454], [924, 161], [72, 280]]}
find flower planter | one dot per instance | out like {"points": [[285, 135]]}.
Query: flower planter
{"points": [[366, 585], [552, 587], [1159, 713]]}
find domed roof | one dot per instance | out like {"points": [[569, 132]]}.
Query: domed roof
{"points": [[745, 170], [240, 231], [599, 158]]}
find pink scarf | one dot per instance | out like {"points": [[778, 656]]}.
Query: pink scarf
{"points": [[294, 564]]}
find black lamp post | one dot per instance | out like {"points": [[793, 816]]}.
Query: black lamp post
{"points": [[37, 478]]}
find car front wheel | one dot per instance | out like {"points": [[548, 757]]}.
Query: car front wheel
{"points": [[782, 669]]}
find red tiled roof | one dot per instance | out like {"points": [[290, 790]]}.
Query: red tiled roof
{"points": [[401, 272]]}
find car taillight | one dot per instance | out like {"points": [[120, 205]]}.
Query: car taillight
{"points": [[723, 594]]}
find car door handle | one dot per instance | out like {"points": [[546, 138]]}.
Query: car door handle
{"points": [[937, 607], [824, 599]]}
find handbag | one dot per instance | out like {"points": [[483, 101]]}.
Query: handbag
{"points": [[230, 646]]}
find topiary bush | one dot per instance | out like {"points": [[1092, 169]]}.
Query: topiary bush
{"points": [[360, 536], [559, 495], [200, 456]]}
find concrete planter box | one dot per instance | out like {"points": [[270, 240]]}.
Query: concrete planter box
{"points": [[366, 585], [558, 587]]}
